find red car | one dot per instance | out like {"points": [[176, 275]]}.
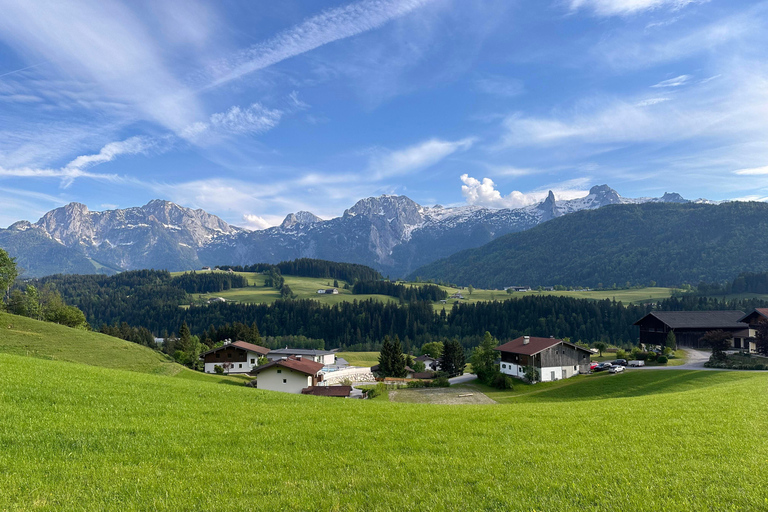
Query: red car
{"points": [[593, 364]]}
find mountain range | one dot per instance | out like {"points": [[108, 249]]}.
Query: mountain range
{"points": [[392, 234]]}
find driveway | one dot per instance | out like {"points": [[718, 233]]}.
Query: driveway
{"points": [[462, 379], [695, 360]]}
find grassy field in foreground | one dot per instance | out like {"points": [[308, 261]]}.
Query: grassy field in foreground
{"points": [[26, 337], [76, 437]]}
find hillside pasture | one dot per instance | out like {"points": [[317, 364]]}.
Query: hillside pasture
{"points": [[85, 438], [27, 337]]}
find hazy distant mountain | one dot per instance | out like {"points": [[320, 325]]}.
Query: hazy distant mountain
{"points": [[393, 234]]}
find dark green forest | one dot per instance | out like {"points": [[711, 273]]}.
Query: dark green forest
{"points": [[428, 292], [667, 244], [307, 267]]}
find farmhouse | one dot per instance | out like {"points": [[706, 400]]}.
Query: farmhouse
{"points": [[429, 362], [753, 320], [456, 295], [554, 359], [329, 291], [690, 326], [325, 357], [290, 375], [237, 357]]}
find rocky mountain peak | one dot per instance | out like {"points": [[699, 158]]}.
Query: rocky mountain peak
{"points": [[300, 218], [21, 225], [603, 195], [548, 207], [673, 197], [391, 207]]}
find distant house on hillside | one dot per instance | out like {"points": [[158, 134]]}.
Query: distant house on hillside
{"points": [[325, 357], [554, 359], [521, 288], [456, 295], [239, 357], [206, 268], [429, 362], [329, 291], [291, 375], [216, 299], [690, 326]]}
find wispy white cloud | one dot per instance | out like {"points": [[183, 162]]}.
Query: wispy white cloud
{"points": [[326, 27], [651, 101], [484, 193], [626, 7], [674, 82], [755, 171], [132, 146], [418, 156]]}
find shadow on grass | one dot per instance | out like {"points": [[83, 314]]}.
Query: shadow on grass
{"points": [[630, 384]]}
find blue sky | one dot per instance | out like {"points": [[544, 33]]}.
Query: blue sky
{"points": [[255, 109]]}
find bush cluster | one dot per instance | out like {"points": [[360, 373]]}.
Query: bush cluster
{"points": [[733, 365], [662, 359]]}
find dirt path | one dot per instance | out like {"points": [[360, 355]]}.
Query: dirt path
{"points": [[445, 396]]}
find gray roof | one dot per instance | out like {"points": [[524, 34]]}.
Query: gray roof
{"points": [[699, 319], [300, 352]]}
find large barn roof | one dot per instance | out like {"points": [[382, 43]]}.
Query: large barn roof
{"points": [[698, 319]]}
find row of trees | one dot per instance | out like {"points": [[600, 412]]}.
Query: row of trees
{"points": [[208, 282], [427, 292], [393, 362], [308, 267]]}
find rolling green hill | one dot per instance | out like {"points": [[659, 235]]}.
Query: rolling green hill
{"points": [[670, 244], [26, 337], [77, 437]]}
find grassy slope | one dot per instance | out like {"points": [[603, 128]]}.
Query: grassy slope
{"points": [[360, 358], [45, 340], [92, 438]]}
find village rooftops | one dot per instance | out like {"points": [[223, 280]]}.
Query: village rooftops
{"points": [[335, 391], [250, 347], [304, 366], [299, 352], [531, 345], [698, 319]]}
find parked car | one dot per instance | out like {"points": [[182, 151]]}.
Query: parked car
{"points": [[637, 362], [616, 369], [593, 364], [602, 366], [619, 362]]}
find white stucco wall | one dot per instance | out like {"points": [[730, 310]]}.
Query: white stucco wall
{"points": [[545, 374], [271, 380], [512, 369]]}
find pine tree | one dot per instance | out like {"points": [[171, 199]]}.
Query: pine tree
{"points": [[397, 359], [385, 358], [185, 338]]}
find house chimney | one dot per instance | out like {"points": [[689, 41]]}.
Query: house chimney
{"points": [[526, 340]]}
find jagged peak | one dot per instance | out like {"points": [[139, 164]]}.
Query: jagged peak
{"points": [[382, 205], [301, 217], [21, 225], [673, 197]]}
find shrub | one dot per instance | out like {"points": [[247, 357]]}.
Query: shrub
{"points": [[621, 354], [218, 369], [378, 389], [651, 356], [662, 359], [416, 384], [503, 382], [441, 382], [668, 351]]}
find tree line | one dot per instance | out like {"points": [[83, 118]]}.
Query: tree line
{"points": [[427, 292], [309, 267], [208, 282]]}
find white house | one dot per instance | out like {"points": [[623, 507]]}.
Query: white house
{"points": [[237, 357], [319, 356], [289, 375], [329, 291], [554, 359]]}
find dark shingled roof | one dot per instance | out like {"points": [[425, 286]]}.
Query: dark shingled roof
{"points": [[536, 345], [759, 312], [698, 319], [337, 391], [242, 345]]}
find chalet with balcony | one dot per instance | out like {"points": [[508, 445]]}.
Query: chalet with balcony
{"points": [[690, 326], [237, 357], [554, 359]]}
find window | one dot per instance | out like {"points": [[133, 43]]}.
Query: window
{"points": [[279, 371], [504, 366], [240, 365], [253, 361], [285, 381]]}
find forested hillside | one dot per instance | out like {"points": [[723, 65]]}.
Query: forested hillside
{"points": [[669, 244], [308, 267]]}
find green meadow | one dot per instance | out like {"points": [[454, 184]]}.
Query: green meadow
{"points": [[306, 288], [85, 437]]}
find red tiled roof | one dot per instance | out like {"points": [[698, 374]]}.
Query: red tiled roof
{"points": [[535, 345], [304, 366], [337, 391]]}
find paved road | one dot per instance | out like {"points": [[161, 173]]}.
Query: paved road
{"points": [[695, 361], [462, 379]]}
